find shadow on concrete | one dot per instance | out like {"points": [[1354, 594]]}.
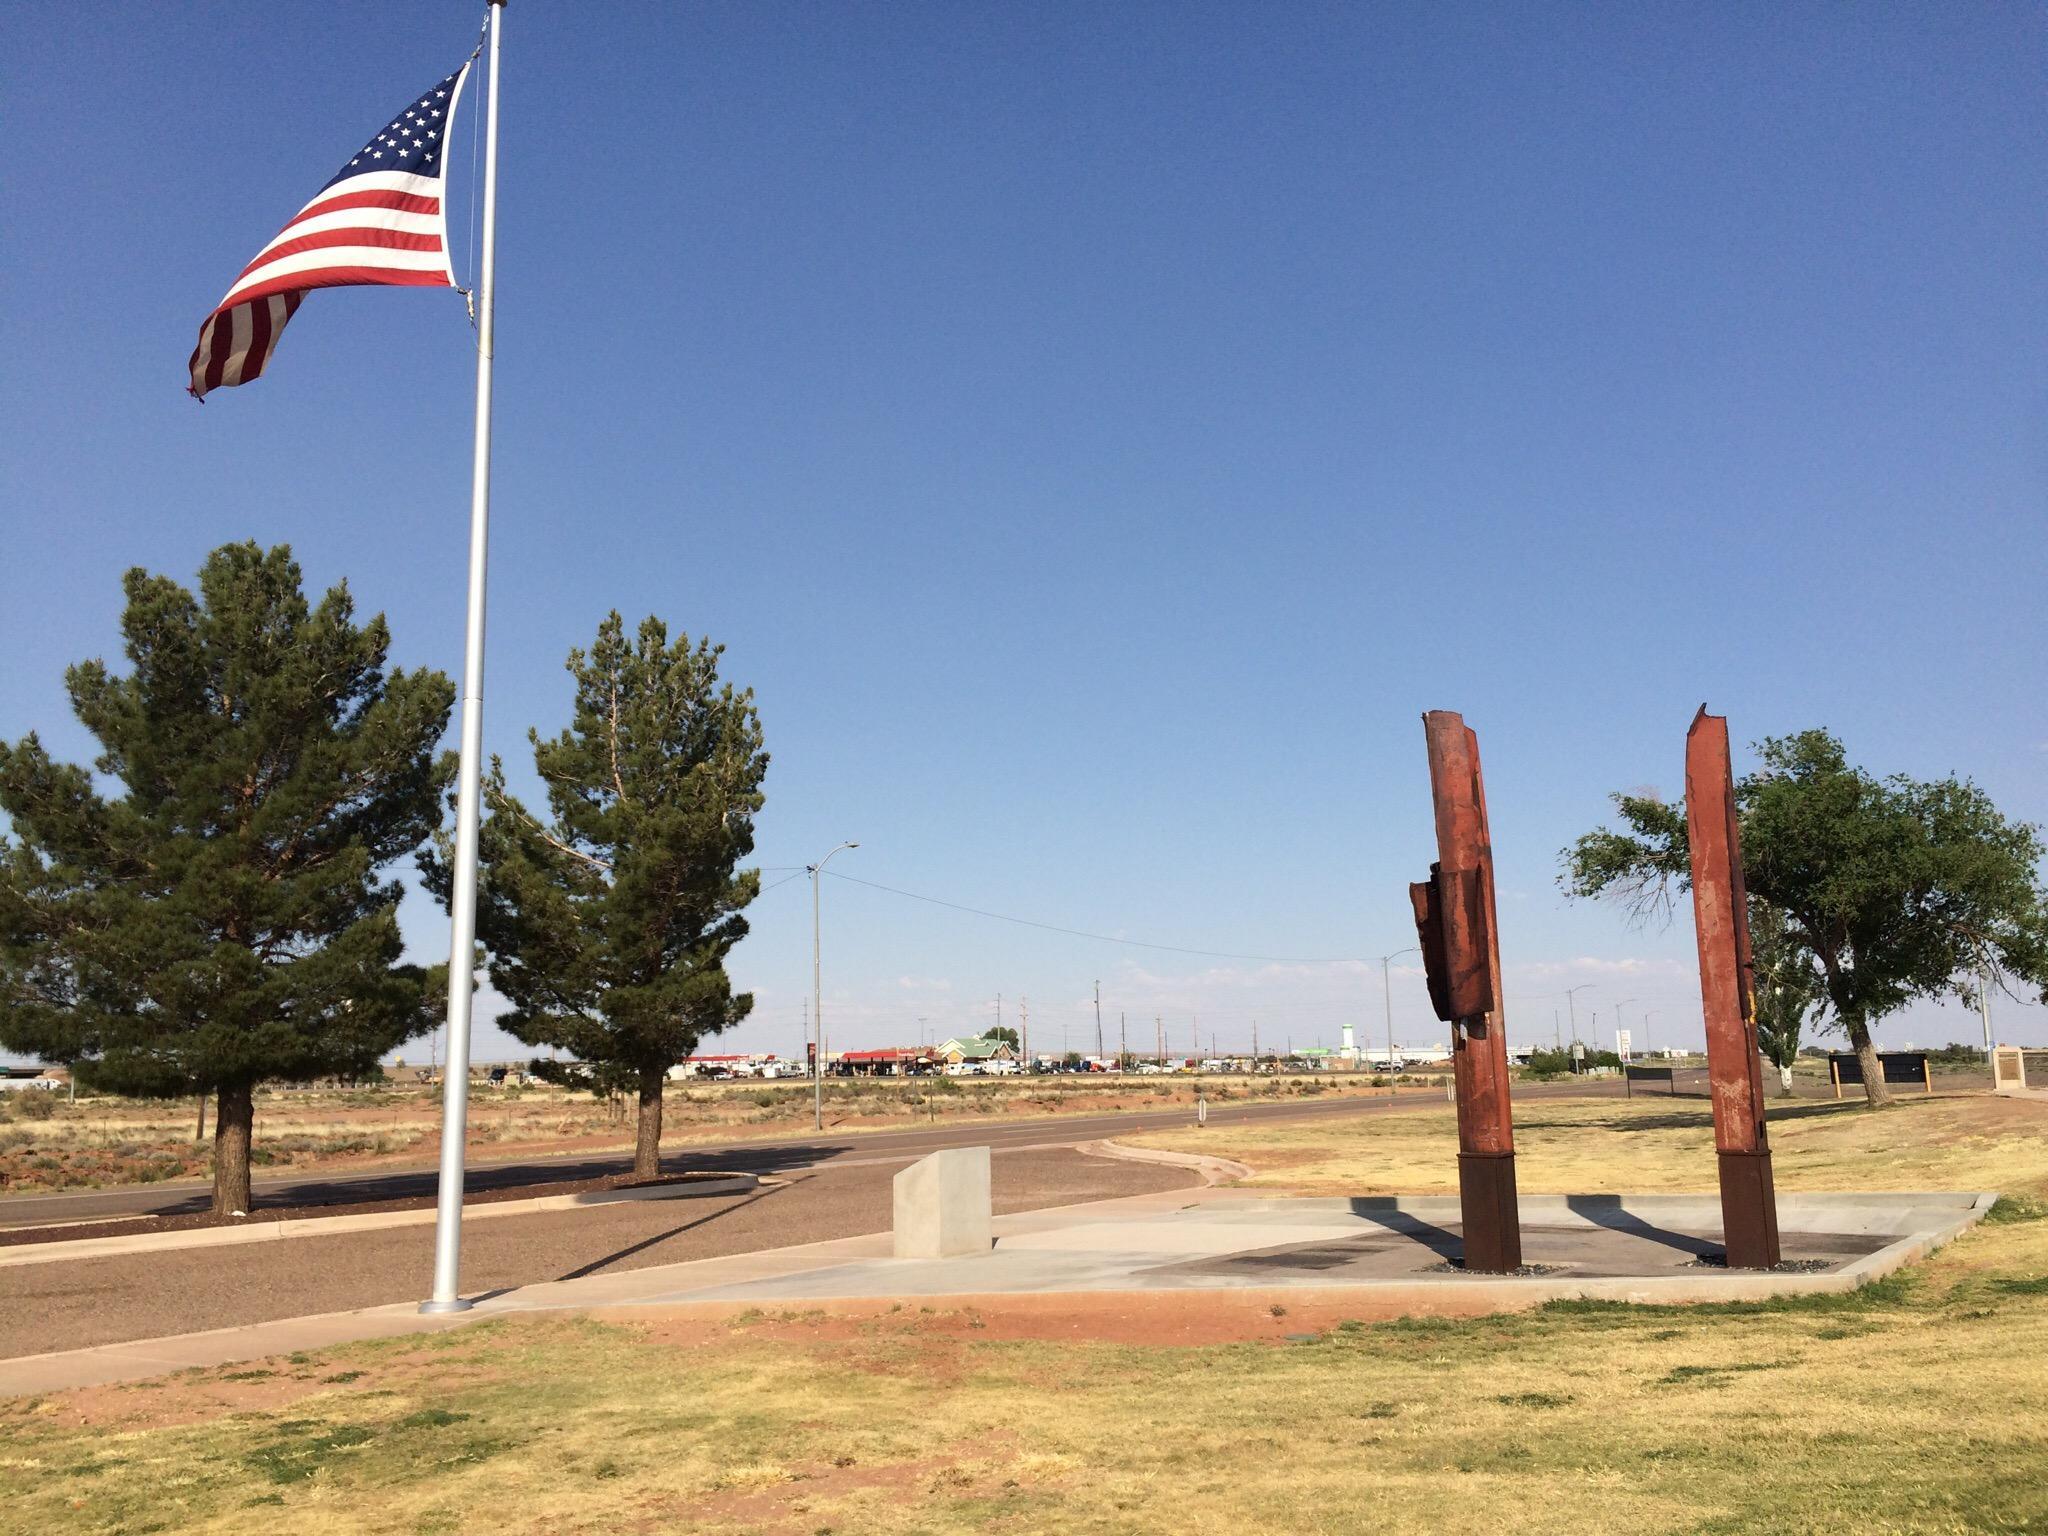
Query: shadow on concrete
{"points": [[595, 1265], [1607, 1211], [1442, 1242]]}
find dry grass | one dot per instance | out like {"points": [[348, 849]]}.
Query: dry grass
{"points": [[1913, 1406], [1649, 1145], [106, 1141], [1909, 1408]]}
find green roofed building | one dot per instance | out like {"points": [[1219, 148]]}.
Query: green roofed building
{"points": [[976, 1048]]}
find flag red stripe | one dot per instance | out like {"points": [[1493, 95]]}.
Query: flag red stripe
{"points": [[259, 339], [402, 202], [223, 343], [342, 277], [386, 239]]}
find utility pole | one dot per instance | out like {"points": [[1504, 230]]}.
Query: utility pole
{"points": [[1255, 1045], [1984, 1006], [816, 871], [1098, 1021], [1557, 1028], [1023, 1025], [1123, 1043], [1572, 1002], [1159, 1028], [1387, 997]]}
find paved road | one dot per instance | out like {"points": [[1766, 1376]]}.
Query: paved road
{"points": [[46, 1307], [783, 1155]]}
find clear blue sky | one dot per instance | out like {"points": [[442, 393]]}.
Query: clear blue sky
{"points": [[1098, 432]]}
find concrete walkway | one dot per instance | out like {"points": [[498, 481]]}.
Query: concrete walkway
{"points": [[1381, 1257]]}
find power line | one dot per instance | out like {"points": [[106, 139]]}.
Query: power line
{"points": [[1101, 938]]}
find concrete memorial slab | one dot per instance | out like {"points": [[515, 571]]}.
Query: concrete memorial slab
{"points": [[945, 1208], [1399, 1254]]}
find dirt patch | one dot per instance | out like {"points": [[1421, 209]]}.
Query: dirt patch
{"points": [[257, 1387], [1164, 1318], [784, 1507], [14, 1237], [251, 1387]]}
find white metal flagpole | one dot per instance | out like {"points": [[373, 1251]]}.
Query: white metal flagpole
{"points": [[462, 895]]}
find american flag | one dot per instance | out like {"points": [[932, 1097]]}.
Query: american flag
{"points": [[379, 222]]}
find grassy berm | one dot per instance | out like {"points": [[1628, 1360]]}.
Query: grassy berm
{"points": [[1914, 1405]]}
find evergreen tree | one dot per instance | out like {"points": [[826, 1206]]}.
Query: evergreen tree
{"points": [[608, 925], [1892, 889], [220, 921]]}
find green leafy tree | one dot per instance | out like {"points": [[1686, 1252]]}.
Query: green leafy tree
{"points": [[221, 921], [608, 924], [1786, 986], [1002, 1032], [1892, 889]]}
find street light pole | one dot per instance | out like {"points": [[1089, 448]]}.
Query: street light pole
{"points": [[1387, 996], [818, 999]]}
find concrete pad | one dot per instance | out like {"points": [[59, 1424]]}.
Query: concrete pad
{"points": [[1220, 1249], [1642, 1248], [945, 1205]]}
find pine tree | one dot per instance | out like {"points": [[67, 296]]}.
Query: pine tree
{"points": [[607, 927], [220, 921]]}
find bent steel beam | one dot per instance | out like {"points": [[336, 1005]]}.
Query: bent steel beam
{"points": [[1720, 910], [1456, 919]]}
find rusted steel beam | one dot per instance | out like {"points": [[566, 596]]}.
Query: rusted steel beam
{"points": [[1458, 926], [1720, 910]]}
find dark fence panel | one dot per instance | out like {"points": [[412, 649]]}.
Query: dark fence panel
{"points": [[1897, 1066]]}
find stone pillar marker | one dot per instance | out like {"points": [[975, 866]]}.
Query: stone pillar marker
{"points": [[1720, 909], [944, 1208], [1459, 931]]}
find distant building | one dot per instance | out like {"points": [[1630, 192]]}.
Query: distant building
{"points": [[890, 1061], [738, 1064], [975, 1048]]}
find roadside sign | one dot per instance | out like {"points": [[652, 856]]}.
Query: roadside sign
{"points": [[1622, 1042]]}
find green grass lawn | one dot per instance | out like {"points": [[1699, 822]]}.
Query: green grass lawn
{"points": [[1915, 1405]]}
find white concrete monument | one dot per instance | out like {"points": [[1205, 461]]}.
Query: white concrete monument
{"points": [[944, 1209]]}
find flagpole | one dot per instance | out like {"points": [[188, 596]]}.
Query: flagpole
{"points": [[462, 894]]}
